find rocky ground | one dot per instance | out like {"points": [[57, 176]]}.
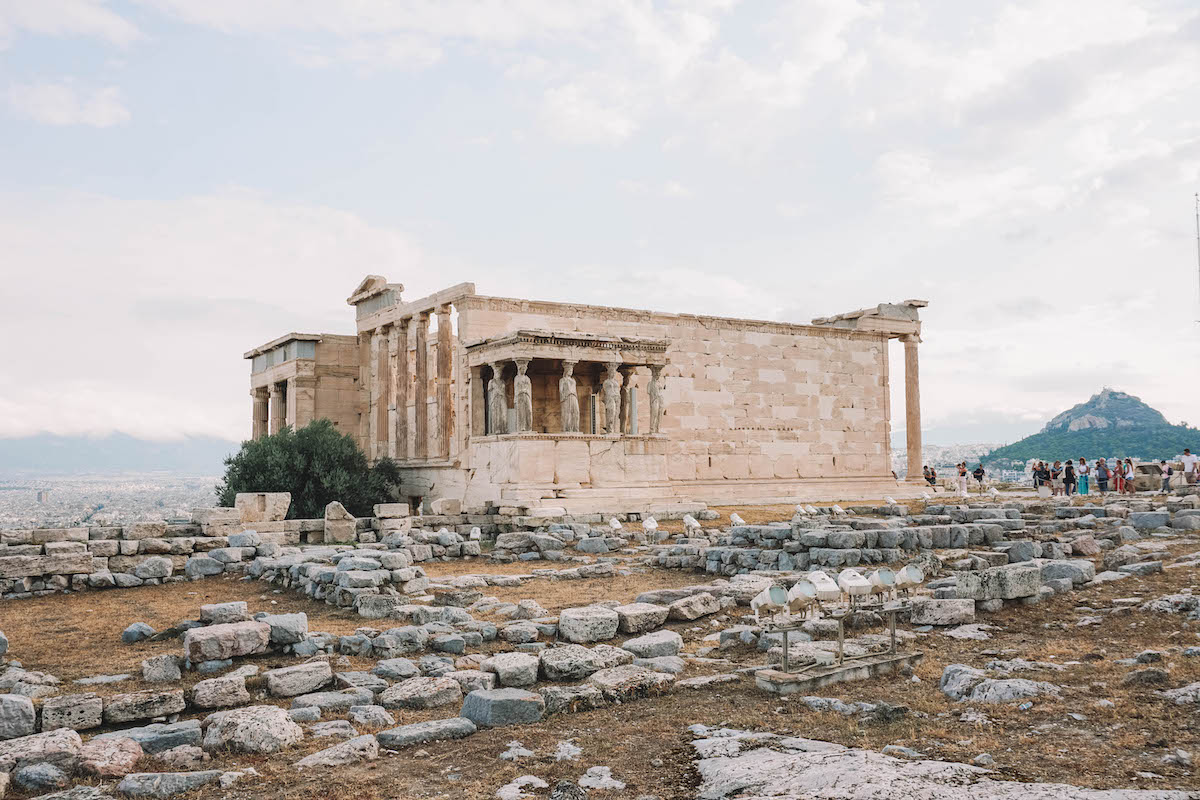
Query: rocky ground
{"points": [[1085, 691]]}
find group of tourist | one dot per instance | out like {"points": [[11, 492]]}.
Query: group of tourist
{"points": [[1067, 478], [961, 478]]}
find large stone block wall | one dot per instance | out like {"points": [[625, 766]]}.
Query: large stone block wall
{"points": [[746, 400]]}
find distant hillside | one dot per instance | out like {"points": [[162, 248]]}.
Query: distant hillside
{"points": [[1109, 424], [116, 452]]}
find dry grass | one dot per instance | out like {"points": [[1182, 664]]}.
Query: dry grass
{"points": [[645, 742]]}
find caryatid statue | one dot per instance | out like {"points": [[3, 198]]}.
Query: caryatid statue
{"points": [[523, 396], [497, 402], [611, 392], [568, 398], [656, 399]]}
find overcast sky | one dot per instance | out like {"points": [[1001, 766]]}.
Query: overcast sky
{"points": [[181, 180]]}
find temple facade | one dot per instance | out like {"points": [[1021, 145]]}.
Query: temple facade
{"points": [[510, 402]]}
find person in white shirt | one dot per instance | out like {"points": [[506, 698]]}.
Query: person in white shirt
{"points": [[1082, 472], [1129, 476], [1191, 466]]}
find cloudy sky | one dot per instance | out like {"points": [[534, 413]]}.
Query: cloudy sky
{"points": [[181, 180]]}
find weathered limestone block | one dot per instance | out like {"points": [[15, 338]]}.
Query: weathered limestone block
{"points": [[143, 705], [391, 510], [653, 645], [1147, 520], [340, 525], [220, 642], [202, 566], [159, 736], [422, 693], [928, 611], [262, 506], [286, 628], [694, 607], [109, 758], [161, 669], [257, 729], [60, 748], [145, 530], [76, 711], [224, 613], [588, 624], [335, 701], [36, 566], [165, 784], [17, 717], [1008, 582], [216, 515], [351, 751], [422, 732], [571, 662], [494, 708], [222, 692], [299, 679], [513, 669], [571, 699], [628, 682], [1078, 570]]}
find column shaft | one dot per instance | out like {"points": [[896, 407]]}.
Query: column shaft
{"points": [[912, 408], [444, 360], [277, 412], [421, 389], [402, 381], [373, 397], [393, 357], [262, 414]]}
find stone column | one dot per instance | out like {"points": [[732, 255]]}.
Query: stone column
{"points": [[912, 407], [276, 408], [568, 399], [656, 399], [421, 390], [401, 386], [523, 396], [497, 402], [262, 414], [445, 357], [610, 391], [626, 377], [373, 395], [393, 413]]}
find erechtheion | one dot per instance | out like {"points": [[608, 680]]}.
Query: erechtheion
{"points": [[508, 402]]}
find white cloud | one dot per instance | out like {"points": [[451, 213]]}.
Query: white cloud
{"points": [[65, 18], [154, 302], [375, 53], [65, 104], [592, 113]]}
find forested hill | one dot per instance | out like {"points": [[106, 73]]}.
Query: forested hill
{"points": [[1109, 424]]}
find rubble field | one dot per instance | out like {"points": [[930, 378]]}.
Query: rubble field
{"points": [[1077, 668]]}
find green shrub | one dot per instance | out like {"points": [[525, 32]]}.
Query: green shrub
{"points": [[317, 465]]}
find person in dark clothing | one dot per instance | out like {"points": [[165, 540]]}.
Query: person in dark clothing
{"points": [[979, 474], [1102, 475], [1043, 475], [1069, 478]]}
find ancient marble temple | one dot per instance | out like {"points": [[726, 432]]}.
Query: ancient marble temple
{"points": [[505, 401]]}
